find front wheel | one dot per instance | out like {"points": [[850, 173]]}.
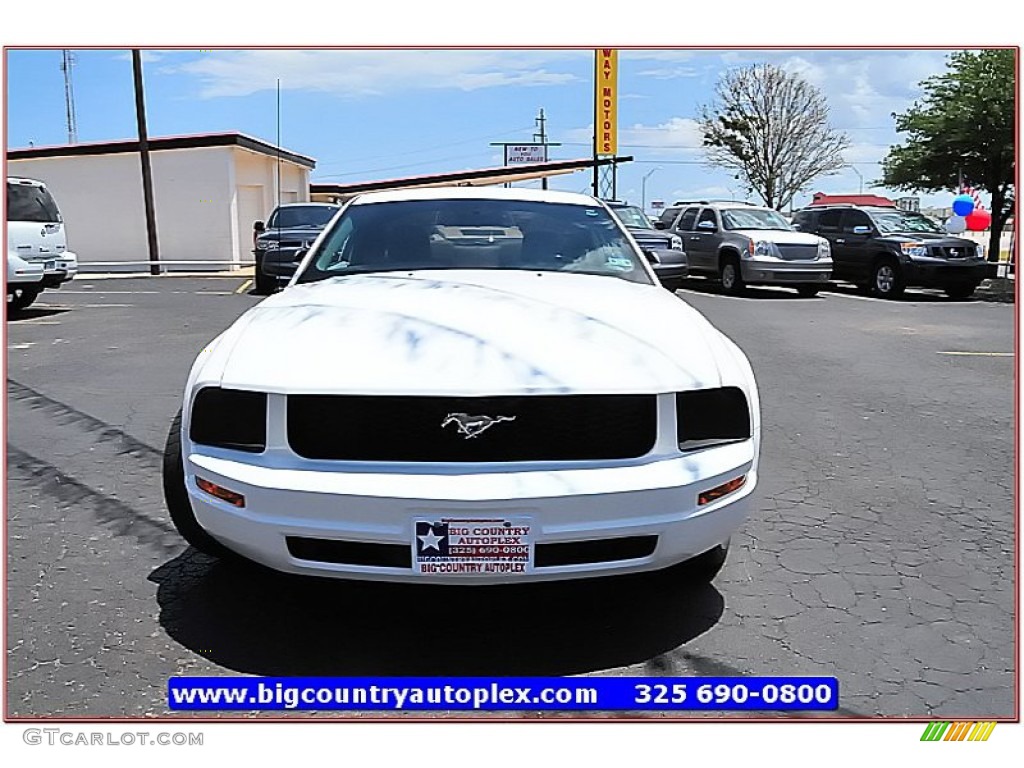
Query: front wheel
{"points": [[732, 276], [807, 291], [703, 568], [21, 298], [178, 504], [960, 291], [887, 280]]}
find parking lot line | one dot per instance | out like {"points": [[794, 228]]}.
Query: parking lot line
{"points": [[978, 354], [243, 287]]}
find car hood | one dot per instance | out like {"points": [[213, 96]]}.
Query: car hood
{"points": [[779, 236], [291, 233], [470, 332], [928, 238]]}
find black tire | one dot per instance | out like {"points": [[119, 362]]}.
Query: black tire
{"points": [[731, 275], [960, 290], [807, 291], [887, 279], [703, 568], [178, 505], [265, 284], [21, 298]]}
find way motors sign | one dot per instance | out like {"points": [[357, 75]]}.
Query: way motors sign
{"points": [[606, 101]]}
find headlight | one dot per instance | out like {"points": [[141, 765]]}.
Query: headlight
{"points": [[229, 418], [762, 248], [914, 250], [824, 249], [267, 245], [675, 243], [707, 417]]}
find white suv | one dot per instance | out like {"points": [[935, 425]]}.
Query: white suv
{"points": [[36, 238]]}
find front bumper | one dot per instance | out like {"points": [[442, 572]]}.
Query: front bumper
{"points": [[783, 272], [935, 273], [655, 500], [279, 263]]}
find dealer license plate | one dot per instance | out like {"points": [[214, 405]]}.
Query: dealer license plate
{"points": [[472, 547]]}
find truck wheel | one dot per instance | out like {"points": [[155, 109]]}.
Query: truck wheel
{"points": [[886, 279], [731, 275], [960, 290]]}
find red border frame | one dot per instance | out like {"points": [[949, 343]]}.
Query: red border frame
{"points": [[535, 717]]}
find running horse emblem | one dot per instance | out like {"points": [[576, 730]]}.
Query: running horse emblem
{"points": [[471, 426]]}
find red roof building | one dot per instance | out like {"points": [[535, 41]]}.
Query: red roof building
{"points": [[820, 198]]}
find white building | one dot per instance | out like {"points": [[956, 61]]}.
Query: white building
{"points": [[208, 189]]}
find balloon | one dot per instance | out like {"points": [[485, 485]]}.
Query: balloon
{"points": [[963, 205], [979, 220], [956, 224]]}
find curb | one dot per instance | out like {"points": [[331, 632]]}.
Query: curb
{"points": [[245, 272]]}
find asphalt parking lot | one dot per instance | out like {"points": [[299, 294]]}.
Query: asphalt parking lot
{"points": [[883, 551]]}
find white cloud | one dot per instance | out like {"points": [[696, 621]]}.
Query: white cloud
{"points": [[675, 135], [366, 72], [148, 57]]}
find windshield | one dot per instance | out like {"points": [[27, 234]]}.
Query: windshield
{"points": [[475, 234], [753, 218], [632, 217], [30, 202], [904, 221], [301, 216]]}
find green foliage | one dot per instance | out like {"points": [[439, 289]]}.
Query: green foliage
{"points": [[964, 123]]}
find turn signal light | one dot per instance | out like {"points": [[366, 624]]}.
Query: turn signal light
{"points": [[235, 499], [721, 490]]}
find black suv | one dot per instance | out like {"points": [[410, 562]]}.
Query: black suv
{"points": [[886, 249]]}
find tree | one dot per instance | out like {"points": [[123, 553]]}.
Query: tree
{"points": [[962, 128], [770, 128]]}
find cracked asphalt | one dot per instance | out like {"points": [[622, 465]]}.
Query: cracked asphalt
{"points": [[882, 552]]}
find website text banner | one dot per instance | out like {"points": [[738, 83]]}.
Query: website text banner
{"points": [[422, 694]]}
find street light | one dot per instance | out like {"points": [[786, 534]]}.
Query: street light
{"points": [[643, 189], [859, 176]]}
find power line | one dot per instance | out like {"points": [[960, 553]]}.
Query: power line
{"points": [[420, 151]]}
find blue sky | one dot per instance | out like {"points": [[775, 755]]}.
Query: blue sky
{"points": [[372, 114]]}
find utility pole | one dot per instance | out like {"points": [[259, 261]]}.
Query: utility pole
{"points": [[643, 189], [67, 62], [543, 139], [147, 171]]}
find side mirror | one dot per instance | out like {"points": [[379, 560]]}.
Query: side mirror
{"points": [[659, 224], [862, 230], [259, 226], [707, 226]]}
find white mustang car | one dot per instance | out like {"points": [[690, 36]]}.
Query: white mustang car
{"points": [[472, 386]]}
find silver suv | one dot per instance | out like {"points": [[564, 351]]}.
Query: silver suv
{"points": [[744, 244]]}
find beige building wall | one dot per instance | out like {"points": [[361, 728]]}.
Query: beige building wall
{"points": [[206, 201]]}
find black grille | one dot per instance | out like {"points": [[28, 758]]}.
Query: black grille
{"points": [[229, 418], [595, 551], [350, 552], [426, 429], [712, 414], [952, 252]]}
